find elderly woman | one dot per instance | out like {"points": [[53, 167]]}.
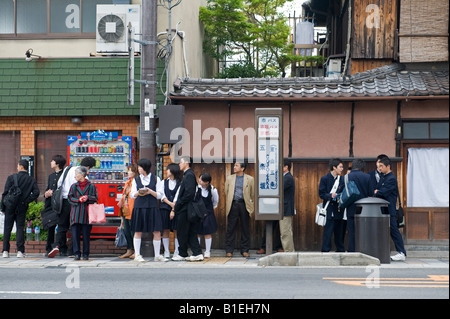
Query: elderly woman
{"points": [[81, 194]]}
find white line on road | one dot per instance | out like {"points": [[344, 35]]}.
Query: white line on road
{"points": [[31, 292]]}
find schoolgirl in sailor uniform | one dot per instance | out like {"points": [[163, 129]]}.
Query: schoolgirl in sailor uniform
{"points": [[169, 189], [210, 197], [146, 216]]}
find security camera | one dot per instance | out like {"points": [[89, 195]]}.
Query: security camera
{"points": [[29, 54]]}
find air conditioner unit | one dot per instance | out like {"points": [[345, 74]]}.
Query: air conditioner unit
{"points": [[112, 28]]}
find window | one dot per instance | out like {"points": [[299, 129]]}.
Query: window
{"points": [[49, 18], [427, 177], [425, 130]]}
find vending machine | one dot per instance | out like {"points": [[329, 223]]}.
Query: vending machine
{"points": [[113, 154]]}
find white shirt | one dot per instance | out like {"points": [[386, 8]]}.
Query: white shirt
{"points": [[70, 179], [145, 180], [172, 185]]}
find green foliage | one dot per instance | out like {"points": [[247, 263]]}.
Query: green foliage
{"points": [[33, 217], [251, 29]]}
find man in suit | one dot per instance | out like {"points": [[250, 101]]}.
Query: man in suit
{"points": [[362, 181], [30, 192], [239, 193], [287, 238], [388, 190], [186, 231]]}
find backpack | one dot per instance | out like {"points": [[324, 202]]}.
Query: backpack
{"points": [[57, 196], [12, 198]]}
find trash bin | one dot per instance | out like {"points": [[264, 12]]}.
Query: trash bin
{"points": [[372, 228]]}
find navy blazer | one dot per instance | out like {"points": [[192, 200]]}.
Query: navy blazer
{"points": [[389, 192], [289, 194], [362, 181], [325, 186], [374, 184]]}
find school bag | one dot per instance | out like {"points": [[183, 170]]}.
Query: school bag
{"points": [[12, 198], [57, 197]]}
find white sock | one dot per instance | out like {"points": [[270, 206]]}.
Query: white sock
{"points": [[199, 240], [166, 244], [157, 247], [208, 242], [137, 246], [176, 246]]}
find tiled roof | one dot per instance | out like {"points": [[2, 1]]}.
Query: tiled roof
{"points": [[387, 81]]}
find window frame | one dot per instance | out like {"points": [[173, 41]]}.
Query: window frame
{"points": [[429, 122], [48, 34]]}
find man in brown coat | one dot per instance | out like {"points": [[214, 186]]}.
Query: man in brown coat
{"points": [[239, 192]]}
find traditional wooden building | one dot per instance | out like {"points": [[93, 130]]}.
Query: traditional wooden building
{"points": [[360, 116]]}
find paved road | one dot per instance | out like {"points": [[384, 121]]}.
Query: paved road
{"points": [[224, 283]]}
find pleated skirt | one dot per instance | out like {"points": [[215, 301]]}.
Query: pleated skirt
{"points": [[146, 220]]}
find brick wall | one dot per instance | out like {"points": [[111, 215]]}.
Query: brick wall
{"points": [[29, 125]]}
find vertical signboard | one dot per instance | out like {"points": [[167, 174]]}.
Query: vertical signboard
{"points": [[269, 164]]}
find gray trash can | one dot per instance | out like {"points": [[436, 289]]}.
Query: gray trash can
{"points": [[372, 228]]}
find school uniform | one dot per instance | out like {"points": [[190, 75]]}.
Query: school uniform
{"points": [[389, 191], [362, 181], [210, 199], [170, 188], [79, 215], [334, 224], [30, 192], [146, 216]]}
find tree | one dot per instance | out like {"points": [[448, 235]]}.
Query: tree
{"points": [[254, 30]]}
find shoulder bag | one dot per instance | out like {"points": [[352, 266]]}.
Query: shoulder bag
{"points": [[57, 196], [196, 211], [12, 198], [321, 212], [350, 193]]}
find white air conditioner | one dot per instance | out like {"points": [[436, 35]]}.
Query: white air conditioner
{"points": [[112, 27]]}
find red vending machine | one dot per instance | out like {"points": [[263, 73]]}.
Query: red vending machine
{"points": [[113, 154]]}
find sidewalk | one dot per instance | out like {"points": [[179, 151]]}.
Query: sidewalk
{"points": [[217, 260]]}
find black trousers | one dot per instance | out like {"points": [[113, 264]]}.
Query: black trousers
{"points": [[19, 217], [63, 227], [238, 214], [187, 236], [77, 231]]}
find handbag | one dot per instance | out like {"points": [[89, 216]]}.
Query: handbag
{"points": [[400, 215], [57, 196], [121, 240], [321, 212], [96, 214], [49, 218], [196, 210], [350, 193]]}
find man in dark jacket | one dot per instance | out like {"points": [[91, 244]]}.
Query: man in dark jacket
{"points": [[49, 216], [186, 231], [388, 190], [287, 238], [362, 181], [30, 192]]}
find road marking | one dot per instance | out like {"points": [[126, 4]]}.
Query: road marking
{"points": [[31, 292], [439, 281]]}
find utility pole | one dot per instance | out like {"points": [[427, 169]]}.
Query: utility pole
{"points": [[147, 140]]}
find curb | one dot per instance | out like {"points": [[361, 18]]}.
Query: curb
{"points": [[315, 259]]}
